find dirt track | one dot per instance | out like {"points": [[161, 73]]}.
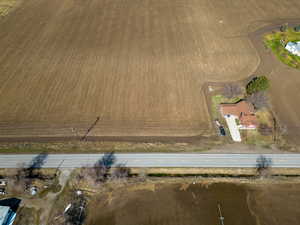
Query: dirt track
{"points": [[138, 65]]}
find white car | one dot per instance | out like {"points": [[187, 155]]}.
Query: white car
{"points": [[2, 191]]}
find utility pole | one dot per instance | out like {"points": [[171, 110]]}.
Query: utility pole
{"points": [[90, 128], [220, 215], [59, 166]]}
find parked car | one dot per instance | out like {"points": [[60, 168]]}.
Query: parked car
{"points": [[220, 127], [2, 183], [2, 191], [222, 131]]}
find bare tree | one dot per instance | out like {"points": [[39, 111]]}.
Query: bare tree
{"points": [[265, 130], [283, 27], [142, 175], [231, 90], [263, 164], [20, 182], [103, 166], [77, 212], [259, 100], [26, 173], [121, 172], [99, 172]]}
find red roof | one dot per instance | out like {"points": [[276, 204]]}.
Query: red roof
{"points": [[243, 110]]}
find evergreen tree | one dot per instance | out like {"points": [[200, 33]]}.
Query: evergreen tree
{"points": [[257, 84]]}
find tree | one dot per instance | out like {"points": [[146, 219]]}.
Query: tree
{"points": [[100, 171], [258, 99], [121, 172], [284, 27], [231, 90], [103, 166], [257, 84], [25, 174], [297, 28], [77, 212], [263, 164]]}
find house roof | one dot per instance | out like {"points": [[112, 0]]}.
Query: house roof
{"points": [[237, 108], [4, 210], [243, 110], [293, 47]]}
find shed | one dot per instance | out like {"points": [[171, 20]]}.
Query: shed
{"points": [[293, 47], [7, 216]]}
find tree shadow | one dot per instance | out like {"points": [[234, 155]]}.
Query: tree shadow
{"points": [[106, 161], [263, 164], [32, 170], [13, 203], [102, 167], [38, 161]]}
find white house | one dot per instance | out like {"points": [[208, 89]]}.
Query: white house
{"points": [[293, 47]]}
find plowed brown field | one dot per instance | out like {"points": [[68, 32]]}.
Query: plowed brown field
{"points": [[139, 65]]}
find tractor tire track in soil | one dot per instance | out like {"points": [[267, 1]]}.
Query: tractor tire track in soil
{"points": [[138, 65]]}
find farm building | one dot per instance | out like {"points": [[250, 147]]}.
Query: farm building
{"points": [[293, 47], [7, 216], [238, 116], [243, 111]]}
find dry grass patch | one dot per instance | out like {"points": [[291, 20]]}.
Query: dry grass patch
{"points": [[6, 6]]}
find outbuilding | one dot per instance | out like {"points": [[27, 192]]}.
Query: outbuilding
{"points": [[293, 47], [7, 216], [239, 116]]}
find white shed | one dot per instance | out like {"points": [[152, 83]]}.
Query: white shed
{"points": [[293, 47]]}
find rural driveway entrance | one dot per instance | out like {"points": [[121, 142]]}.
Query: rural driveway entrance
{"points": [[233, 128]]}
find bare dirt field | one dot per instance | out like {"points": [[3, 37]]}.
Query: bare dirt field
{"points": [[137, 65], [285, 83], [260, 204]]}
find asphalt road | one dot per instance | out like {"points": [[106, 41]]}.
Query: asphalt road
{"points": [[150, 160]]}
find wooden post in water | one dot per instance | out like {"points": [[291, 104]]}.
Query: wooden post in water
{"points": [[220, 215]]}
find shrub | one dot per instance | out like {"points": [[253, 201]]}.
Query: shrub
{"points": [[258, 99], [265, 130], [257, 84], [232, 90], [263, 164], [283, 27], [297, 28]]}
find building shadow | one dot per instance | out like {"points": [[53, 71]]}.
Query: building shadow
{"points": [[13, 203]]}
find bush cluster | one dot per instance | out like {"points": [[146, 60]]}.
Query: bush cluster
{"points": [[257, 84]]}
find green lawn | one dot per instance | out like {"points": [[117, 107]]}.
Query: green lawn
{"points": [[273, 42]]}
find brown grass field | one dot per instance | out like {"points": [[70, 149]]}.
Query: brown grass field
{"points": [[139, 65]]}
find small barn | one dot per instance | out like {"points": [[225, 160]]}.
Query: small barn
{"points": [[243, 111], [293, 47], [7, 216]]}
